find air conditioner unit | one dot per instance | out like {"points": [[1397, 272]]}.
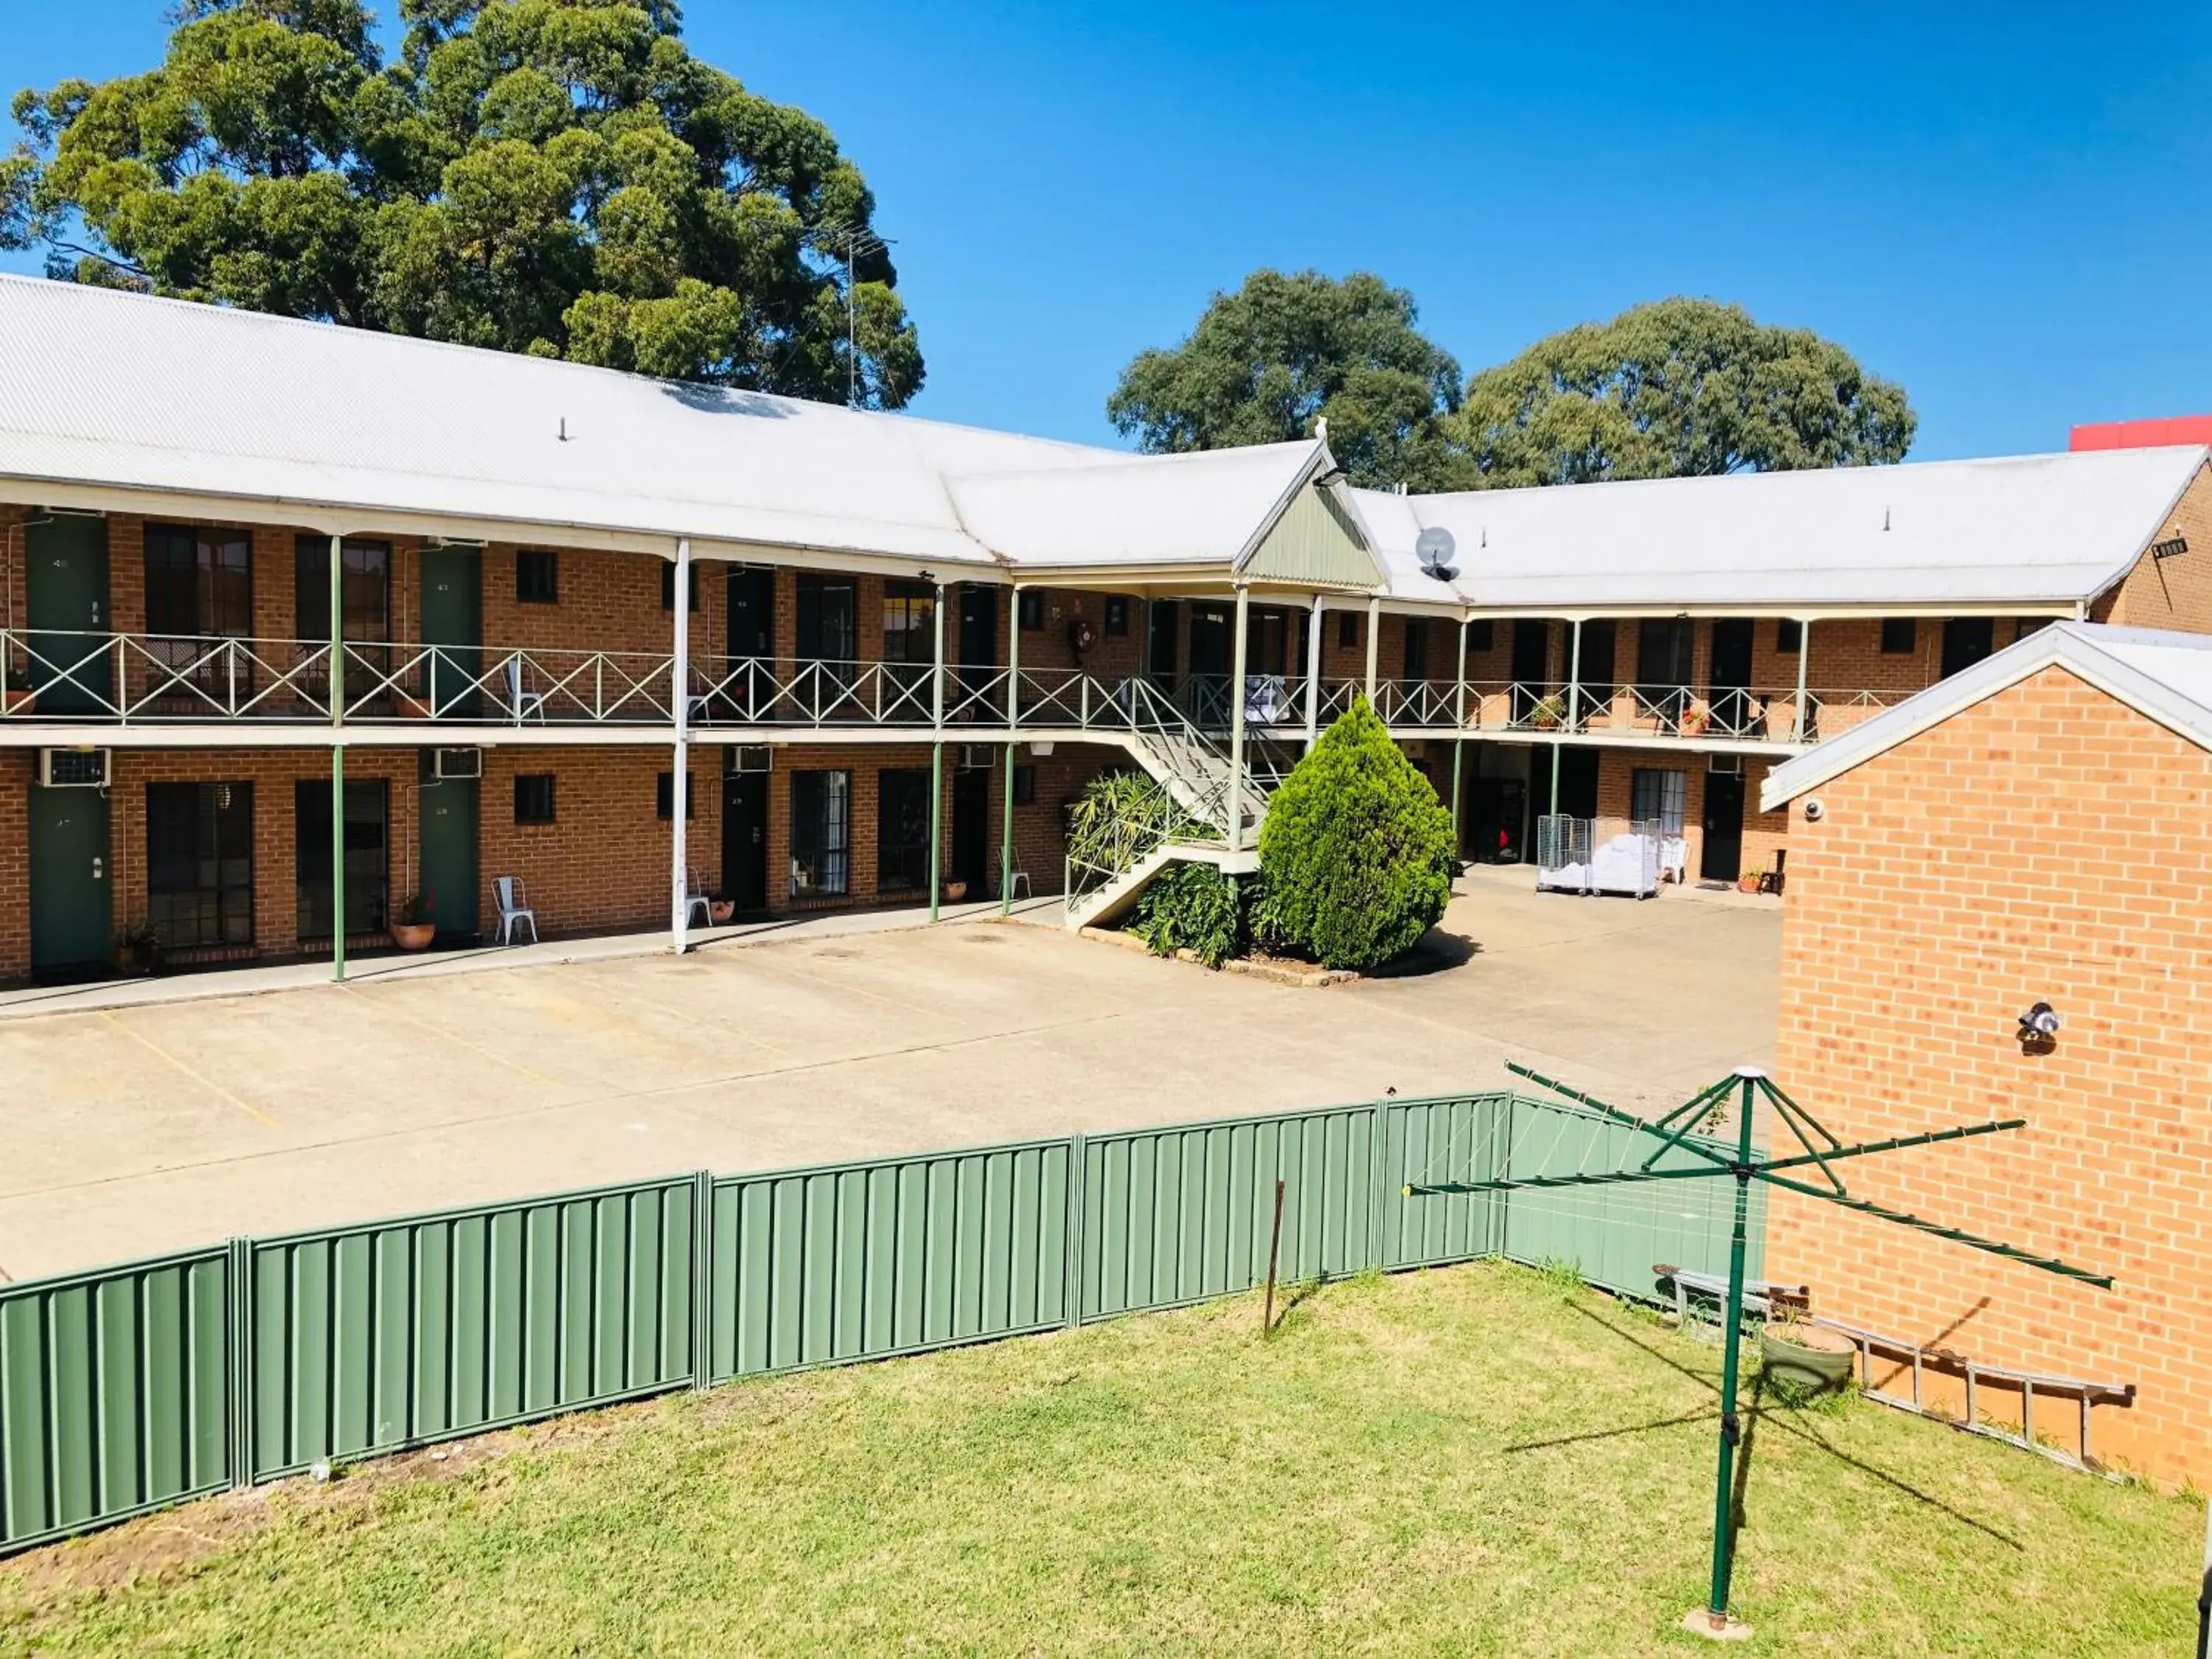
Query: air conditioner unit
{"points": [[976, 756], [750, 757], [1728, 765], [457, 764], [74, 769]]}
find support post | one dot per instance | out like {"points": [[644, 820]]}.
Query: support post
{"points": [[937, 751], [1731, 1357], [1007, 814], [1313, 675], [1575, 678], [1374, 641], [1459, 725], [338, 761], [1234, 827], [1804, 655], [679, 781]]}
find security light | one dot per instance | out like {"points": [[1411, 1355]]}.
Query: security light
{"points": [[2039, 1023]]}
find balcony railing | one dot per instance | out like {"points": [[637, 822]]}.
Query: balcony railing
{"points": [[47, 676]]}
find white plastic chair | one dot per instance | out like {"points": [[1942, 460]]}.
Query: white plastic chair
{"points": [[696, 901], [513, 908], [521, 704], [1016, 884]]}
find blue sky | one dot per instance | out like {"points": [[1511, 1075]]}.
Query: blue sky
{"points": [[2004, 207]]}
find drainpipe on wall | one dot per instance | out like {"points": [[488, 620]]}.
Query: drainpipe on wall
{"points": [[679, 695], [338, 761]]}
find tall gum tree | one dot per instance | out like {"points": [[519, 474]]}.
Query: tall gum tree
{"points": [[557, 177]]}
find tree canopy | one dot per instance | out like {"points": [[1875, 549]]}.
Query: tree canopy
{"points": [[1265, 361], [558, 177], [1676, 388]]}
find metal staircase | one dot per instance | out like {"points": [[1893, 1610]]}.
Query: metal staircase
{"points": [[1192, 768]]}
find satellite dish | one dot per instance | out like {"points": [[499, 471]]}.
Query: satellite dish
{"points": [[1433, 547]]}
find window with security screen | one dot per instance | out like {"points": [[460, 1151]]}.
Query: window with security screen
{"points": [[1659, 793]]}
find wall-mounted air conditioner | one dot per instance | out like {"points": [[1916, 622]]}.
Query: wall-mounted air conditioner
{"points": [[976, 756], [457, 764], [1727, 765], [74, 769], [750, 757]]}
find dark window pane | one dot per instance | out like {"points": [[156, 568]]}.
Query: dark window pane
{"points": [[368, 862], [664, 795], [1348, 630], [668, 586], [1899, 636], [909, 624], [1032, 610], [1480, 634], [1024, 785], [1661, 794], [821, 825], [902, 829], [826, 620], [533, 798], [1787, 634], [1117, 615], [199, 863], [537, 577]]}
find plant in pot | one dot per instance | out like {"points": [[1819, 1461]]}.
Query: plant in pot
{"points": [[1800, 1361], [720, 910], [1749, 880], [1547, 712], [414, 929], [955, 891], [138, 948]]}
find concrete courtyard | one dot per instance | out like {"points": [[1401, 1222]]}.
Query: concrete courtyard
{"points": [[150, 1124]]}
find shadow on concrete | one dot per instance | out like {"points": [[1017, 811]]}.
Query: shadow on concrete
{"points": [[1438, 952]]}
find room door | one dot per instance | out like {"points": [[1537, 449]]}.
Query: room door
{"points": [[1161, 617], [749, 610], [744, 842], [1211, 659], [1579, 782], [971, 829], [1728, 681], [1532, 652], [66, 574], [979, 652], [1723, 858], [72, 920], [453, 625], [449, 852]]}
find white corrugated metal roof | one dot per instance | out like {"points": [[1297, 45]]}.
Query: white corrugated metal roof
{"points": [[1150, 509], [2029, 529], [105, 388], [2165, 676]]}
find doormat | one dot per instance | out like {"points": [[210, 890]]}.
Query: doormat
{"points": [[1716, 887]]}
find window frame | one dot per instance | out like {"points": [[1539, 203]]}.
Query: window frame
{"points": [[1116, 622], [1025, 783], [1663, 780], [1029, 607], [664, 795], [914, 604], [217, 922], [529, 782], [1348, 630], [546, 560], [908, 853], [209, 587], [1789, 636], [829, 840], [368, 891]]}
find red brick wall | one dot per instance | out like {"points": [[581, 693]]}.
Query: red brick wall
{"points": [[603, 863], [2048, 844]]}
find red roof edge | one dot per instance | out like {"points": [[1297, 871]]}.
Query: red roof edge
{"points": [[2141, 435]]}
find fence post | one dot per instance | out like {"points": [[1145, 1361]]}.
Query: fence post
{"points": [[702, 1278], [1379, 1185], [238, 1268], [1078, 1187]]}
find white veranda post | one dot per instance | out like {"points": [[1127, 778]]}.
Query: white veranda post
{"points": [[1374, 644], [679, 698], [1801, 724], [1234, 827], [1313, 674]]}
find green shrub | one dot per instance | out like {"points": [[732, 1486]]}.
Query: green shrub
{"points": [[1356, 850], [1195, 908]]}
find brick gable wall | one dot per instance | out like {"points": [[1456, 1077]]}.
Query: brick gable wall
{"points": [[2048, 844]]}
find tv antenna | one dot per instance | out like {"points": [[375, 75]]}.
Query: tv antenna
{"points": [[850, 241], [1694, 1158]]}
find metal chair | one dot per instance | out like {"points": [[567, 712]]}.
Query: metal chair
{"points": [[521, 704], [513, 908], [1016, 884], [697, 903]]}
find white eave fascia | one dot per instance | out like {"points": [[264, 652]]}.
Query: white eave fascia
{"points": [[2072, 645]]}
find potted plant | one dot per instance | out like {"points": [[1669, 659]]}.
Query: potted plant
{"points": [[138, 948], [955, 891], [1547, 712], [1694, 717], [414, 929], [1749, 880], [720, 910], [1805, 1358]]}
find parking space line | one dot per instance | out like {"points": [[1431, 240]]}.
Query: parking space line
{"points": [[212, 1087]]}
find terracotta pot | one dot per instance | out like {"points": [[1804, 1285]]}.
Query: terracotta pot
{"points": [[414, 935], [1747, 882], [955, 891], [720, 910]]}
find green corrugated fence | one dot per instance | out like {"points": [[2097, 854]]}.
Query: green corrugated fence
{"points": [[134, 1387]]}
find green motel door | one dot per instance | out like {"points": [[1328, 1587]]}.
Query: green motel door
{"points": [[449, 852], [65, 570], [71, 919], [453, 625]]}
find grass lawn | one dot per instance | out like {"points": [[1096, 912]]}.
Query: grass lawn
{"points": [[1471, 1460]]}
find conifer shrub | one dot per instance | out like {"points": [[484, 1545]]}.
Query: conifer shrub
{"points": [[1355, 854]]}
